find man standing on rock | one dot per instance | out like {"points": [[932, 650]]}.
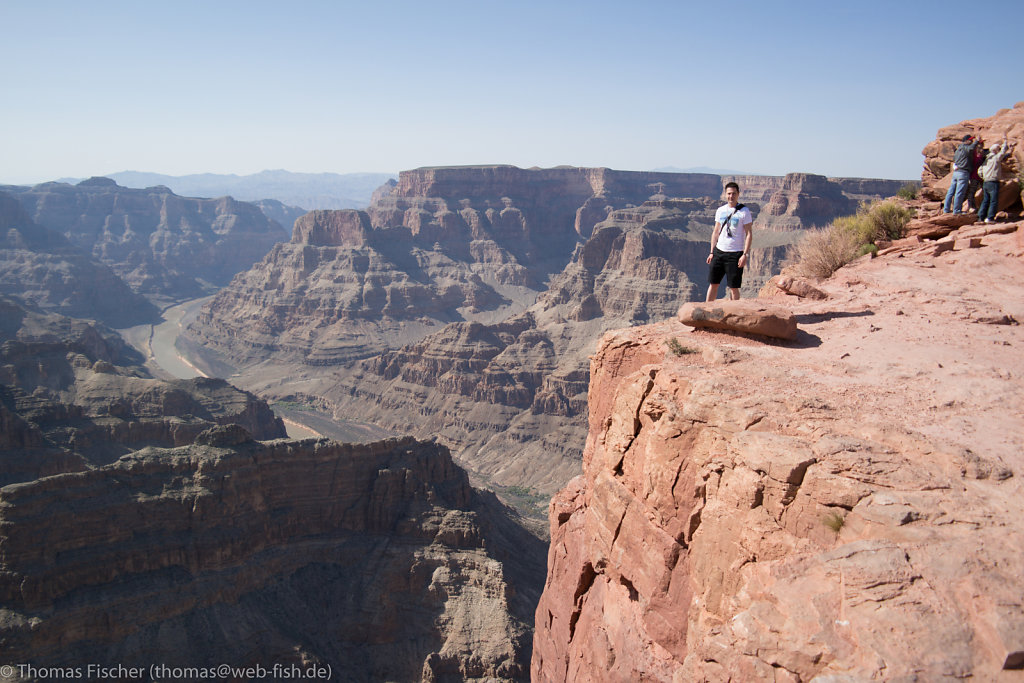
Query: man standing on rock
{"points": [[963, 160], [990, 173], [730, 244]]}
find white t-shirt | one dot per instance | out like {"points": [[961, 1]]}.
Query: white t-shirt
{"points": [[734, 233]]}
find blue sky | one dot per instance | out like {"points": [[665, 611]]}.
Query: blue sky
{"points": [[842, 89]]}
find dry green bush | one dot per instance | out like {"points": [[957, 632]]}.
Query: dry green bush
{"points": [[890, 220], [823, 252], [834, 521], [908, 191], [678, 349]]}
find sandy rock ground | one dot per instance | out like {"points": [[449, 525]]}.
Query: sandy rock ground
{"points": [[932, 343]]}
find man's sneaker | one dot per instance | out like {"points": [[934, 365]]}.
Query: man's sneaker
{"points": [[989, 220]]}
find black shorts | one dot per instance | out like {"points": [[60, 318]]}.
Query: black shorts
{"points": [[726, 264]]}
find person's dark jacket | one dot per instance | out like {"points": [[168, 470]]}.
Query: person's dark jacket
{"points": [[963, 158]]}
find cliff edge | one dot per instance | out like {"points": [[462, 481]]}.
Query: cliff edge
{"points": [[843, 506]]}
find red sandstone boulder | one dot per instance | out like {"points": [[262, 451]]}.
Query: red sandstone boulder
{"points": [[744, 315], [787, 285]]}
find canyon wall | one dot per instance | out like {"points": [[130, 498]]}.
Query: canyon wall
{"points": [[74, 395], [167, 247], [843, 506], [374, 562], [147, 522], [45, 271]]}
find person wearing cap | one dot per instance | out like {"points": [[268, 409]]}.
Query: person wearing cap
{"points": [[730, 244], [990, 181], [962, 167]]}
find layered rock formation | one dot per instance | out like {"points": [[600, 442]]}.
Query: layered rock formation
{"points": [[164, 246], [844, 506], [464, 302], [141, 523], [73, 396], [47, 272], [279, 212], [372, 562], [938, 154]]}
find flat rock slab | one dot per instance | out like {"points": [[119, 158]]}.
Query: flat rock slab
{"points": [[745, 315]]}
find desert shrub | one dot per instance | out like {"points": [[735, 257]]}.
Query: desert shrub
{"points": [[823, 252], [678, 349], [859, 225], [889, 219], [834, 521], [908, 191]]}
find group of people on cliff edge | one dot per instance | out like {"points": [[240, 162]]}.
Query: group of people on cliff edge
{"points": [[973, 165]]}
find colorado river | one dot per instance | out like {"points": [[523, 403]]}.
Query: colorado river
{"points": [[157, 344]]}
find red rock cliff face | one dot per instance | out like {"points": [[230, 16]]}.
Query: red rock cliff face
{"points": [[845, 505]]}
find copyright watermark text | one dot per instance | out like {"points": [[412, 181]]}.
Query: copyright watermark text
{"points": [[165, 672]]}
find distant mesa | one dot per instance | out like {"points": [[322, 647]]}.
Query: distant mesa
{"points": [[45, 271], [98, 181], [164, 246]]}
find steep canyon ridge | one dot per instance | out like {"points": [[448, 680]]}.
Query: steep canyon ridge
{"points": [[843, 505]]}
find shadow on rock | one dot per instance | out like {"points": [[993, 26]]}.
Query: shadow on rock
{"points": [[812, 318]]}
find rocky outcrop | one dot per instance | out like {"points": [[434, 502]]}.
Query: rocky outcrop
{"points": [[74, 396], [370, 562], [776, 511], [938, 154], [45, 271], [164, 246]]}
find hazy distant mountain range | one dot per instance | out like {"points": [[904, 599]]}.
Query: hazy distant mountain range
{"points": [[703, 169], [305, 190]]}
